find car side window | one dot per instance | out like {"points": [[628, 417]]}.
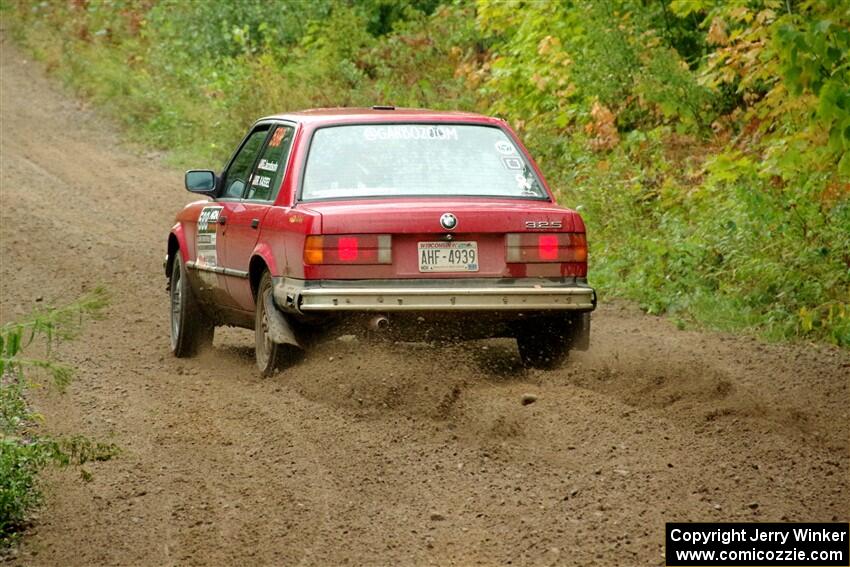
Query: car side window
{"points": [[268, 174], [236, 177]]}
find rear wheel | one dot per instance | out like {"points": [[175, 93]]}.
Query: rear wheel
{"points": [[191, 330], [546, 343], [270, 355]]}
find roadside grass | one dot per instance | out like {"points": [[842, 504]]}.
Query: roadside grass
{"points": [[25, 449]]}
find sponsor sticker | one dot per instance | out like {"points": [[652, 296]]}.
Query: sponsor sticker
{"points": [[512, 163], [410, 132], [261, 181], [267, 165], [523, 182], [206, 241]]}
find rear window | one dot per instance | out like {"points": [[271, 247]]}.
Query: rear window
{"points": [[416, 160]]}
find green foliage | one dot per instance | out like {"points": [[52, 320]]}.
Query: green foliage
{"points": [[713, 179], [23, 450], [815, 58], [706, 141], [187, 32]]}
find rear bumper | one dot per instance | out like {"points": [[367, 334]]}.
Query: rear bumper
{"points": [[467, 294]]}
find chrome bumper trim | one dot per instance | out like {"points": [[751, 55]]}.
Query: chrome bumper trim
{"points": [[418, 298]]}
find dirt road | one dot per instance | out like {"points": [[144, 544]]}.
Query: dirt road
{"points": [[378, 455]]}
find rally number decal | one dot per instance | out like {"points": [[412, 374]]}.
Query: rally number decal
{"points": [[206, 239]]}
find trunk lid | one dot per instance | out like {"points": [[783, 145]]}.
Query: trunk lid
{"points": [[382, 216], [414, 221]]}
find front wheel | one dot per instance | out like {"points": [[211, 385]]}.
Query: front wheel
{"points": [[191, 330]]}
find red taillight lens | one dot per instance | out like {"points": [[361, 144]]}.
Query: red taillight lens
{"points": [[532, 248], [547, 247], [348, 249]]}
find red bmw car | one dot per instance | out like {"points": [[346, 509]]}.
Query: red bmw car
{"points": [[420, 224]]}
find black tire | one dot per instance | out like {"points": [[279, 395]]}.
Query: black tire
{"points": [[545, 344], [270, 355], [191, 330]]}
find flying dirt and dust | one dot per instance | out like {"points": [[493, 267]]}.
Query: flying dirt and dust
{"points": [[378, 453]]}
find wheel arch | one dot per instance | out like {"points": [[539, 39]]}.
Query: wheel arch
{"points": [[256, 267], [176, 243], [173, 248], [261, 260]]}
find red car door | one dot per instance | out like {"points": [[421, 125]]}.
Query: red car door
{"points": [[235, 179], [245, 218]]}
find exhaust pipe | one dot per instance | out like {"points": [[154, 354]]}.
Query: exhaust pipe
{"points": [[379, 323]]}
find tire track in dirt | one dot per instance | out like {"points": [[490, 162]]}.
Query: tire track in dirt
{"points": [[348, 456]]}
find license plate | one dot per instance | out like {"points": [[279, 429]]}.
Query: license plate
{"points": [[448, 256]]}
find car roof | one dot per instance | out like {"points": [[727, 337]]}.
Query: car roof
{"points": [[341, 115]]}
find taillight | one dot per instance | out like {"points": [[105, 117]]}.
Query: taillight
{"points": [[535, 247], [547, 247], [348, 249]]}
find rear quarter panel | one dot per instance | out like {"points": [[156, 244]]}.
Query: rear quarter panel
{"points": [[281, 242], [282, 239]]}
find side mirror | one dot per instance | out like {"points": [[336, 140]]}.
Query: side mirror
{"points": [[200, 181]]}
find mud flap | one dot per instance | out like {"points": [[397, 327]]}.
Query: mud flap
{"points": [[581, 336], [280, 330]]}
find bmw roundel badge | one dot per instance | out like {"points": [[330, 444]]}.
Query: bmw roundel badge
{"points": [[448, 221]]}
